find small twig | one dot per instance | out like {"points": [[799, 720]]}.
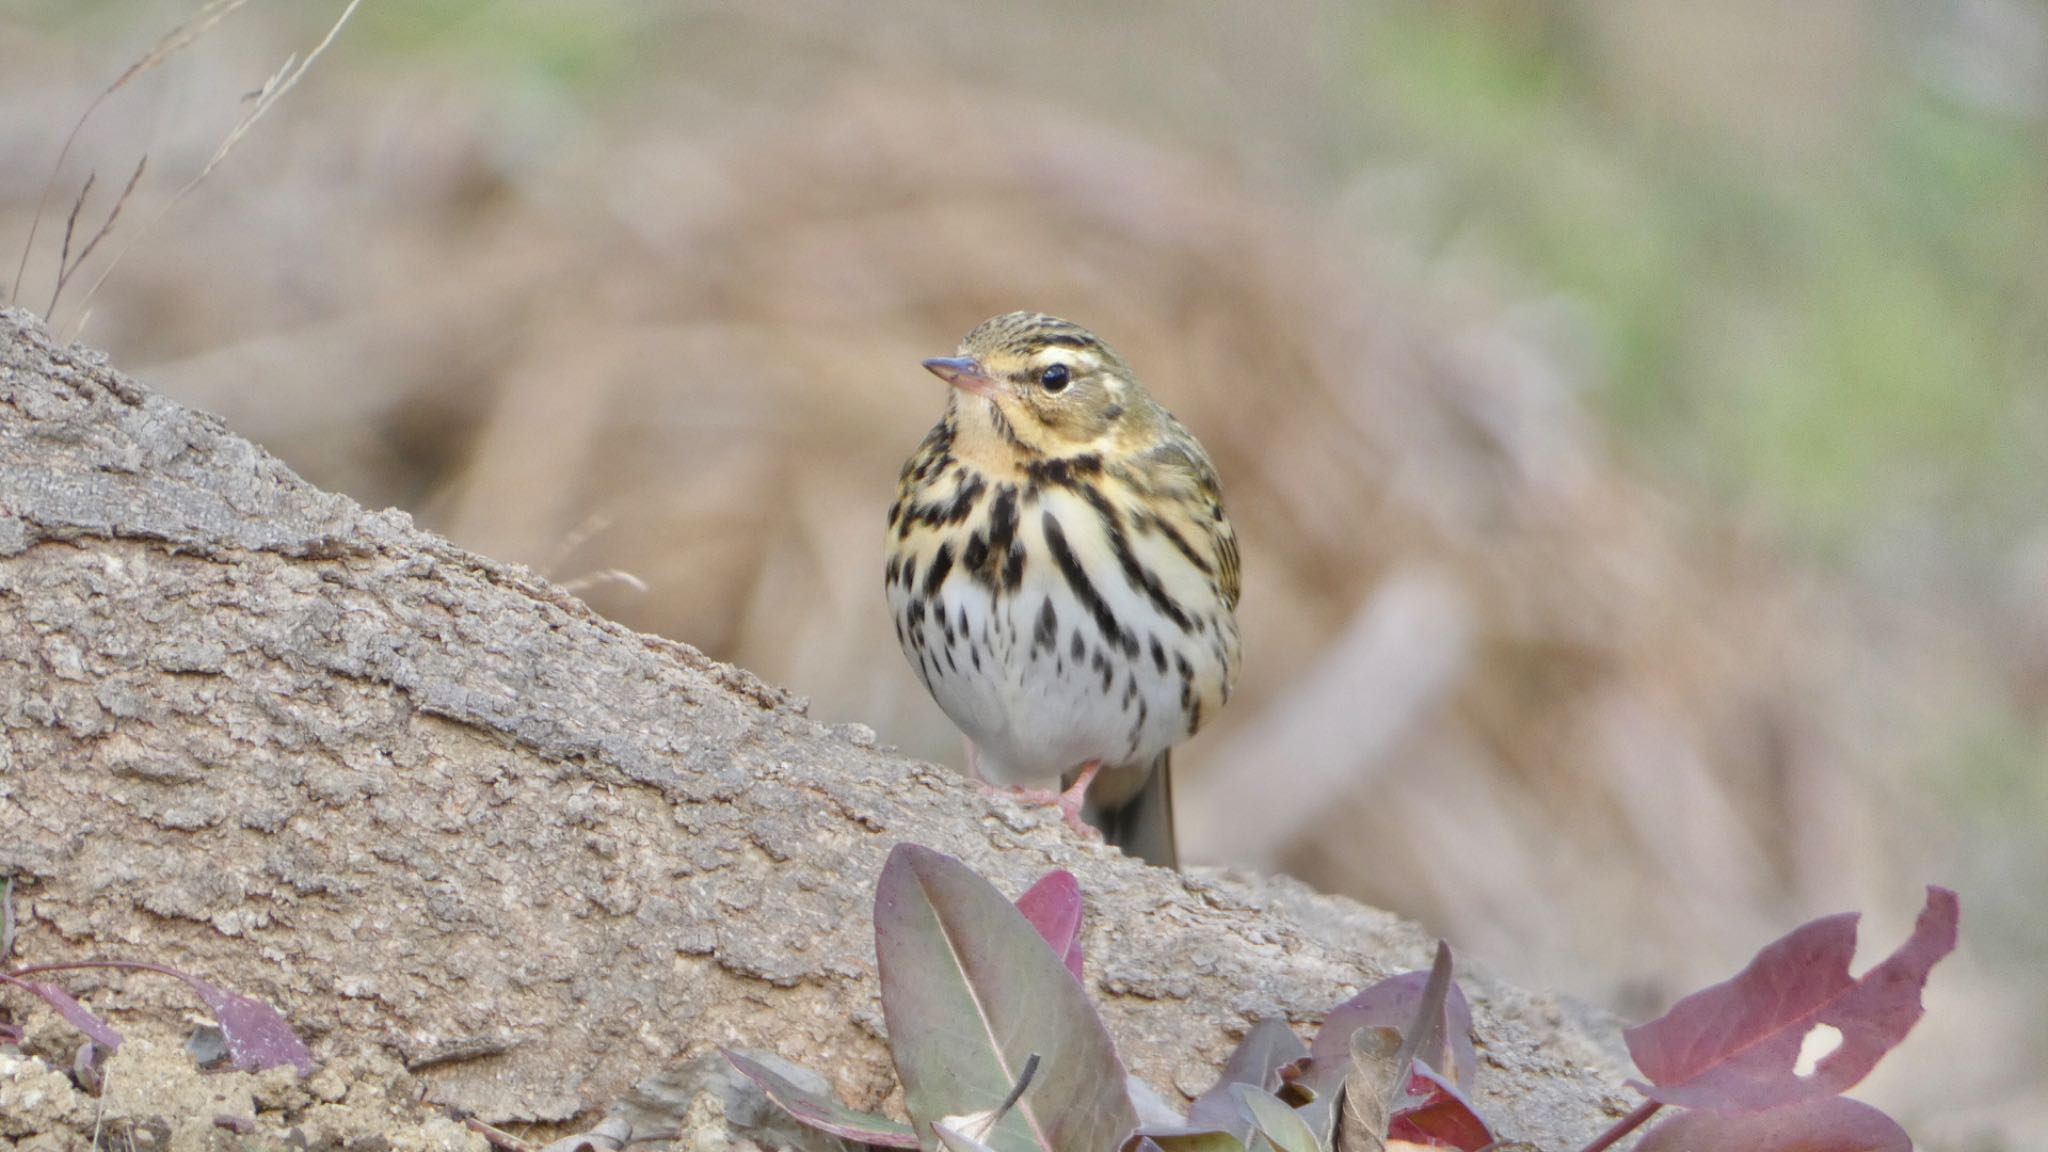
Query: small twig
{"points": [[578, 585], [977, 1125], [497, 1137], [6, 918], [69, 965], [1624, 1126], [576, 538], [99, 1110], [1017, 1091]]}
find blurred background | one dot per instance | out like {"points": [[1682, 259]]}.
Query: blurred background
{"points": [[1634, 416]]}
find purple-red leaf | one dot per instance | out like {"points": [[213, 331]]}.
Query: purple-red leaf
{"points": [[1391, 1003], [257, 1036], [822, 1112], [1426, 1008], [1828, 1124], [1053, 905], [1270, 1046], [75, 1014], [1441, 1118], [970, 992], [1793, 1025]]}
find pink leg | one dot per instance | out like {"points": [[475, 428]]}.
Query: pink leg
{"points": [[1068, 802], [1071, 800]]}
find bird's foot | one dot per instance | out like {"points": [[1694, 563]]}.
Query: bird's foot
{"points": [[1068, 802]]}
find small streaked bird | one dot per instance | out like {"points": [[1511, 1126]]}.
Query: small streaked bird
{"points": [[1063, 577]]}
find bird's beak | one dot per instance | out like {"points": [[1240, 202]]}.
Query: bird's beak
{"points": [[962, 372]]}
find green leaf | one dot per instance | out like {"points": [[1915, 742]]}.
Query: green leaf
{"points": [[823, 1112], [970, 991], [1188, 1141], [1274, 1120]]}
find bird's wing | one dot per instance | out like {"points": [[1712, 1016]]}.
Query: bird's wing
{"points": [[1178, 454]]}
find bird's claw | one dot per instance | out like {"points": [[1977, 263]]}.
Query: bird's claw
{"points": [[1069, 802]]}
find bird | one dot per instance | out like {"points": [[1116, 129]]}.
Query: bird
{"points": [[1063, 577]]}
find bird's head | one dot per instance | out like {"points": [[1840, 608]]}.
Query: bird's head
{"points": [[1048, 386]]}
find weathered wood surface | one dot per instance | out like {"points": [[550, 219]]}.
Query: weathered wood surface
{"points": [[429, 802]]}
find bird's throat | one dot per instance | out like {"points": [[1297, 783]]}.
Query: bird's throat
{"points": [[986, 439]]}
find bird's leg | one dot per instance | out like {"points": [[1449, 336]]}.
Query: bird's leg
{"points": [[1068, 802]]}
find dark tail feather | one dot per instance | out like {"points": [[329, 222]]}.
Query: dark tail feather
{"points": [[1143, 825]]}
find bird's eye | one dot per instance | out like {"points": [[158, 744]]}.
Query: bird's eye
{"points": [[1054, 378]]}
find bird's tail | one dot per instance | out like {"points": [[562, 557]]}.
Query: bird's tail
{"points": [[1142, 825]]}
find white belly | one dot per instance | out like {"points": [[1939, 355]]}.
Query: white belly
{"points": [[1041, 694]]}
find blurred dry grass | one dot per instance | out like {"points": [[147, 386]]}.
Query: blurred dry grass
{"points": [[1595, 730]]}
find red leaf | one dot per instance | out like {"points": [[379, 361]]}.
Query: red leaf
{"points": [[1442, 1118], [1829, 1124], [1258, 1059], [1391, 1003], [823, 1112], [77, 1015], [1429, 1011], [971, 994], [257, 1036], [1053, 905], [1738, 1045]]}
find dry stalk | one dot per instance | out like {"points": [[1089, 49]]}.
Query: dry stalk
{"points": [[66, 266], [273, 90], [70, 225], [178, 38], [604, 578]]}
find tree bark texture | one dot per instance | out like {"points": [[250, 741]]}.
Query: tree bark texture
{"points": [[430, 803]]}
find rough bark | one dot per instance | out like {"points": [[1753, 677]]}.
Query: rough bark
{"points": [[430, 804]]}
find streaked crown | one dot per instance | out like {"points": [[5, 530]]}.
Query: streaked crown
{"points": [[1050, 385]]}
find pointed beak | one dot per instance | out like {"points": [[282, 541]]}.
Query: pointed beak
{"points": [[962, 372]]}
